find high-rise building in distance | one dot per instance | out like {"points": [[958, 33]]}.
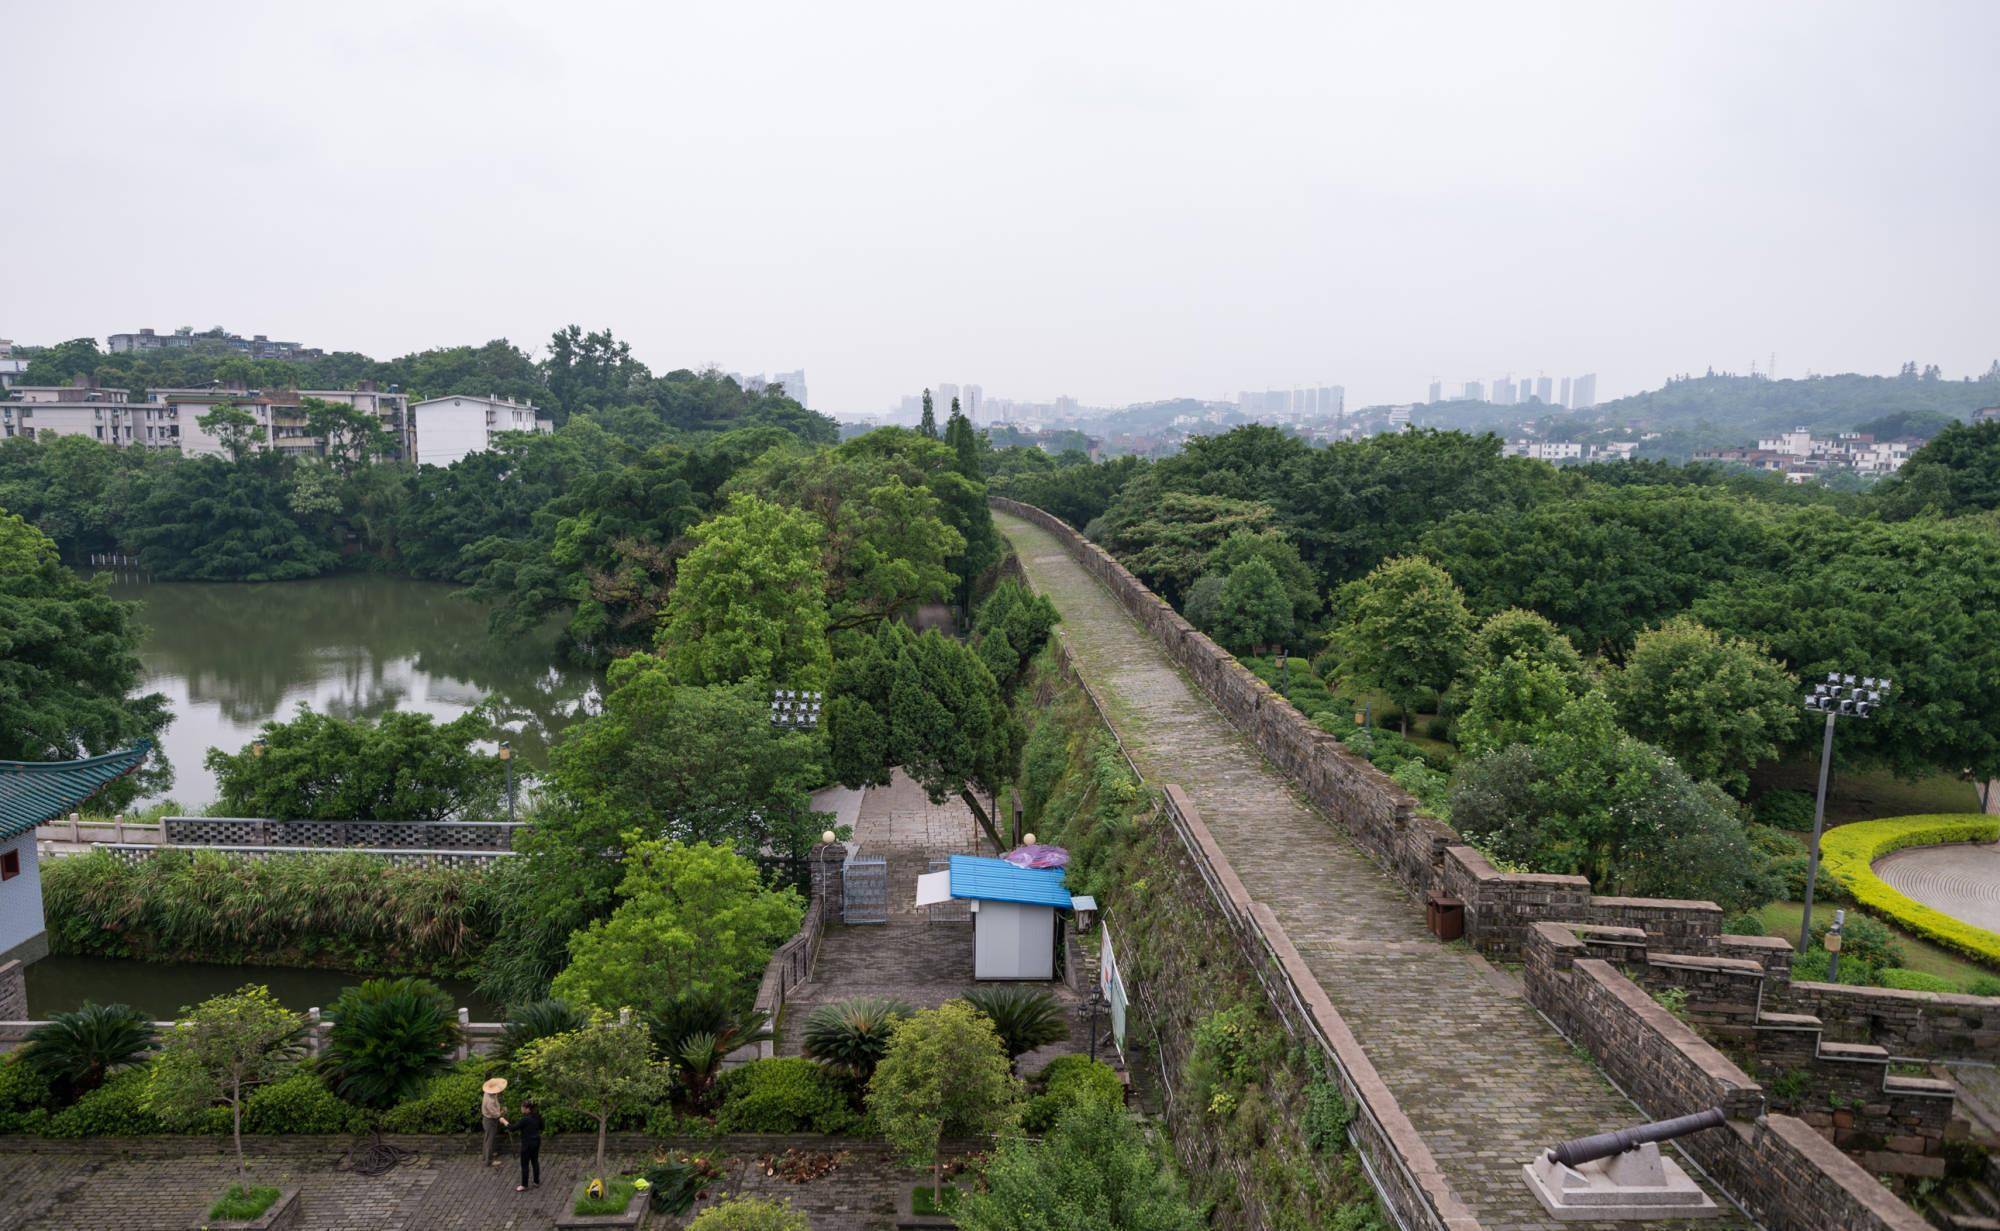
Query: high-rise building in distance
{"points": [[794, 383], [1544, 389], [1437, 391], [1565, 392], [1584, 392], [1503, 391], [1474, 391]]}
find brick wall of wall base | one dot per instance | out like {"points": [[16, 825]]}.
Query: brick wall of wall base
{"points": [[1788, 1175], [13, 991], [1925, 1025]]}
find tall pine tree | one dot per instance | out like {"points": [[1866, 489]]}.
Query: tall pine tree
{"points": [[928, 424]]}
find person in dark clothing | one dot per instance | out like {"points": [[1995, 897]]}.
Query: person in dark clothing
{"points": [[529, 1126]]}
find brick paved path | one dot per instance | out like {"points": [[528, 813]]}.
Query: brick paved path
{"points": [[80, 1189], [1485, 1079], [915, 957]]}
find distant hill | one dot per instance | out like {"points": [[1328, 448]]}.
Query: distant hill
{"points": [[1725, 410]]}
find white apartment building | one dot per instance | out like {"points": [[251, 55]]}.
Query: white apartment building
{"points": [[445, 429], [67, 410], [170, 418]]}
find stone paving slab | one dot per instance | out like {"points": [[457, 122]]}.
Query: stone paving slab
{"points": [[84, 1190], [1483, 1076]]}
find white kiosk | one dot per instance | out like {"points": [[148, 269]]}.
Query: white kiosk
{"points": [[1014, 933]]}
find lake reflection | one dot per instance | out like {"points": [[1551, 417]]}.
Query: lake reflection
{"points": [[231, 656]]}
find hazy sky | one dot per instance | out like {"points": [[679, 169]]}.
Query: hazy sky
{"points": [[1117, 202]]}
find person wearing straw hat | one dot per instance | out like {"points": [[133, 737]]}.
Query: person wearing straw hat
{"points": [[492, 1115]]}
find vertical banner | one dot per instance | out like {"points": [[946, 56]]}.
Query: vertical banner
{"points": [[1113, 988]]}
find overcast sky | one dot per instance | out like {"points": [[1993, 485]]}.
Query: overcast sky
{"points": [[1115, 202]]}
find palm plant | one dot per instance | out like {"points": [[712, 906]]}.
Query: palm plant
{"points": [[388, 1037], [1024, 1017], [538, 1019], [75, 1051], [853, 1034], [697, 1031]]}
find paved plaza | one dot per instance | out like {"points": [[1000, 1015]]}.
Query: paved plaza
{"points": [[1962, 880], [922, 957], [1483, 1076], [146, 1186]]}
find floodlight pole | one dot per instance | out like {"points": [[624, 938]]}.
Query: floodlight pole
{"points": [[1819, 823]]}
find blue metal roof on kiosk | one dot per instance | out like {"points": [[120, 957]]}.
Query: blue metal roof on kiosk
{"points": [[995, 880]]}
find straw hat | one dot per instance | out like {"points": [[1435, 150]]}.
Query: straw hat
{"points": [[494, 1085]]}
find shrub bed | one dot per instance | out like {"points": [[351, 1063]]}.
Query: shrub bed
{"points": [[787, 1095], [338, 911], [1849, 852]]}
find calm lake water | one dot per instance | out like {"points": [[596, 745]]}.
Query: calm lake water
{"points": [[161, 989], [230, 656]]}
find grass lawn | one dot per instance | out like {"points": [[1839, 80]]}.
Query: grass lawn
{"points": [[1865, 796], [1782, 919], [617, 1195], [241, 1204], [921, 1203]]}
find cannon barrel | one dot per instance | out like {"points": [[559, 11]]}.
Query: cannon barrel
{"points": [[1604, 1145]]}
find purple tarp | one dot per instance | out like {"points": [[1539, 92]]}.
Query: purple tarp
{"points": [[1037, 855]]}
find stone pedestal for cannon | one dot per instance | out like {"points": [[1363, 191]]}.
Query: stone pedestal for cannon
{"points": [[1622, 1176]]}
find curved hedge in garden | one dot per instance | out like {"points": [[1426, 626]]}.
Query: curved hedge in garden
{"points": [[1848, 853]]}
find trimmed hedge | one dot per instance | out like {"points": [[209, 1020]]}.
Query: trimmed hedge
{"points": [[1848, 854]]}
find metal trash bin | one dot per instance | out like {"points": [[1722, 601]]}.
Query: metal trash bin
{"points": [[1445, 916]]}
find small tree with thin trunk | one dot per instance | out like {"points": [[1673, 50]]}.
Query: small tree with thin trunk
{"points": [[220, 1050], [945, 1074], [602, 1070]]}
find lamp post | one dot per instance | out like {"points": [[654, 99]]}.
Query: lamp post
{"points": [[1840, 696], [507, 759]]}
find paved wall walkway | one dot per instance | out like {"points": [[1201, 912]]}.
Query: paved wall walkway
{"points": [[1486, 1080]]}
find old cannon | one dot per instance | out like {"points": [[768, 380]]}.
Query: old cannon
{"points": [[1622, 1175]]}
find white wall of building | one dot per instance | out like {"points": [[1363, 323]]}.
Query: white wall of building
{"points": [[449, 428], [21, 926]]}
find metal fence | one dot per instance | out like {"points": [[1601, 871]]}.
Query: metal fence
{"points": [[133, 854], [373, 835], [864, 888]]}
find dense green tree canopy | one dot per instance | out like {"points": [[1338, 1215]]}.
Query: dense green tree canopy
{"points": [[69, 664], [1956, 472], [1406, 630], [692, 920], [692, 764], [1718, 705], [928, 705], [206, 519], [749, 602], [406, 766], [1605, 565], [1588, 799], [1914, 602], [1094, 1172]]}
